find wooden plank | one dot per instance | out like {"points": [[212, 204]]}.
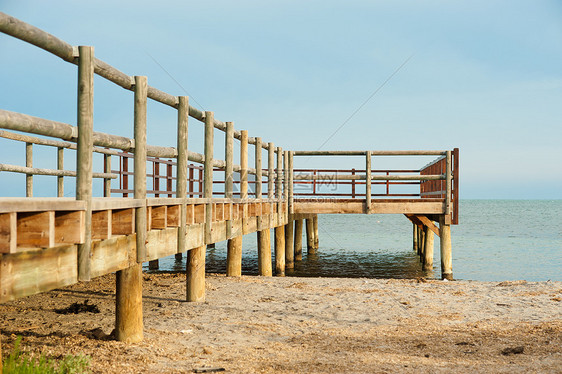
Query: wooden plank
{"points": [[199, 213], [158, 217], [420, 207], [103, 203], [427, 222], [31, 272], [113, 254], [122, 221], [8, 232], [161, 243], [36, 230], [195, 236], [218, 232], [190, 214], [70, 227], [39, 204], [227, 211], [101, 224], [173, 215]]}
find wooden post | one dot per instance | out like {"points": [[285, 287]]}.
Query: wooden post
{"points": [[229, 168], [421, 242], [448, 174], [234, 257], [208, 173], [353, 184], [415, 237], [244, 164], [264, 253], [234, 245], [270, 170], [279, 174], [368, 182], [140, 163], [60, 166], [195, 269], [291, 208], [298, 240], [258, 168], [316, 239], [289, 247], [446, 250], [286, 176], [128, 301], [153, 264], [84, 149], [280, 251], [128, 307], [181, 172], [428, 252], [29, 164], [107, 181], [310, 235]]}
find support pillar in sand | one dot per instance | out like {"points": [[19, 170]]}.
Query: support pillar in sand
{"points": [[316, 239], [298, 240], [289, 247], [178, 256], [264, 253], [415, 237], [128, 306], [421, 244], [310, 248], [234, 257], [153, 265], [280, 251], [195, 270], [446, 250], [428, 252]]}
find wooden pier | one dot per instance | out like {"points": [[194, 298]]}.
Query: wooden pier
{"points": [[174, 201]]}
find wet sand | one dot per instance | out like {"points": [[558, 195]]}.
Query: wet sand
{"points": [[304, 325]]}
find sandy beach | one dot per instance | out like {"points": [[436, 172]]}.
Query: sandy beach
{"points": [[303, 325]]}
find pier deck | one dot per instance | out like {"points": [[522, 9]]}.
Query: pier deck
{"points": [[176, 201]]}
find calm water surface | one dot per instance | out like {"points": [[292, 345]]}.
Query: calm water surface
{"points": [[495, 240]]}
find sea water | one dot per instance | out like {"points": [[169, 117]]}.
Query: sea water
{"points": [[495, 240]]}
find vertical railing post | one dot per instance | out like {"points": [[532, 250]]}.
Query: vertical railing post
{"points": [[270, 170], [368, 182], [258, 168], [455, 186], [208, 173], [244, 164], [229, 155], [140, 164], [181, 171], [107, 181], [353, 184], [60, 166], [29, 164], [279, 176], [156, 177], [169, 178], [448, 177], [289, 227], [125, 174], [191, 186], [291, 200], [388, 184], [128, 304], [85, 123]]}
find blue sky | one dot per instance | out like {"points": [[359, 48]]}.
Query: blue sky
{"points": [[484, 76]]}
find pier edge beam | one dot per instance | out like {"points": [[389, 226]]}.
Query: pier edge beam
{"points": [[298, 240], [280, 251], [427, 263], [446, 249]]}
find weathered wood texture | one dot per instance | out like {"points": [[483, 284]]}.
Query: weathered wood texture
{"points": [[84, 152], [298, 239], [446, 250], [234, 257], [427, 263], [280, 250], [128, 305], [289, 244], [195, 272], [264, 253]]}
